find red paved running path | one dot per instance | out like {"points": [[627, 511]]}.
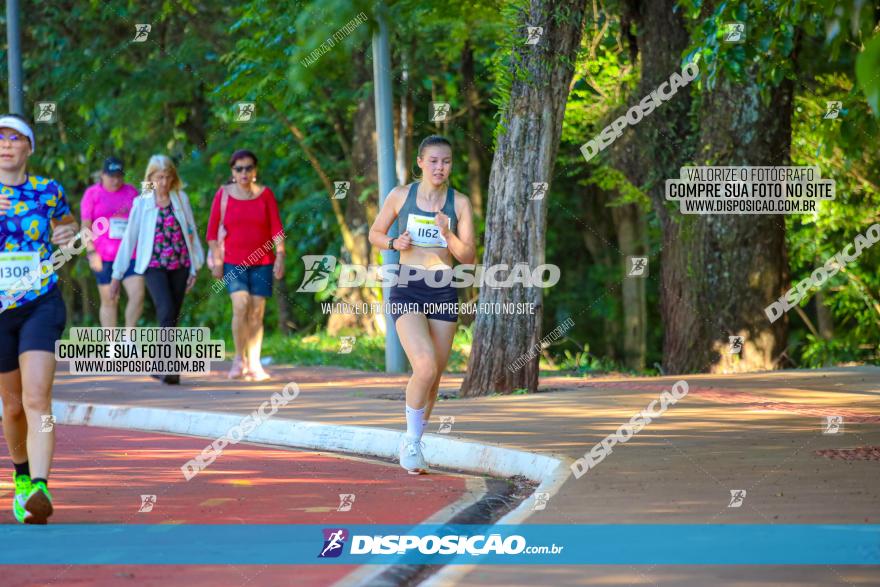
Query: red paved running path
{"points": [[100, 474]]}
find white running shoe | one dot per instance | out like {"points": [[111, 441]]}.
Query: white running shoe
{"points": [[411, 457]]}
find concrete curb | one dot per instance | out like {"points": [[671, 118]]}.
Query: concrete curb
{"points": [[549, 471], [370, 574], [551, 483]]}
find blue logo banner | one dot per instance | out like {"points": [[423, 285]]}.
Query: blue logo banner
{"points": [[575, 544]]}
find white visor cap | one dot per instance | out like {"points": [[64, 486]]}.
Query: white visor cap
{"points": [[21, 126]]}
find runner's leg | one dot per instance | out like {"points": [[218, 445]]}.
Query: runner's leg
{"points": [[442, 333], [159, 286], [15, 426], [38, 374], [240, 328], [15, 430], [177, 284], [134, 308], [109, 306], [255, 330], [415, 337]]}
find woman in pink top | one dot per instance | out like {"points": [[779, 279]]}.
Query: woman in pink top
{"points": [[112, 199], [247, 252]]}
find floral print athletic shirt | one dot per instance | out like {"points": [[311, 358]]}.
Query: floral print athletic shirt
{"points": [[26, 228], [169, 247]]}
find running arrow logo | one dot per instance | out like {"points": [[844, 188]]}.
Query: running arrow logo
{"points": [[318, 271], [334, 541]]}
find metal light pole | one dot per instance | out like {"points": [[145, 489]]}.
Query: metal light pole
{"points": [[13, 39], [395, 360]]}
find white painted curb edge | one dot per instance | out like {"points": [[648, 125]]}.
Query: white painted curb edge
{"points": [[553, 481], [440, 451], [369, 574]]}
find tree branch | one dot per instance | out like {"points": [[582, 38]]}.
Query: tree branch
{"points": [[347, 237]]}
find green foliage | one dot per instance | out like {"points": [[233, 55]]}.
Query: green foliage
{"points": [[507, 60], [868, 73], [819, 352], [603, 86], [770, 34], [367, 354], [176, 94], [836, 146], [775, 32], [613, 180], [582, 363]]}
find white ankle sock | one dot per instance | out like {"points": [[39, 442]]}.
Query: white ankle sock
{"points": [[415, 422]]}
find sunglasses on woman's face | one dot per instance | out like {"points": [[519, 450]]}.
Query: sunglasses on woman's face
{"points": [[15, 138], [243, 169]]}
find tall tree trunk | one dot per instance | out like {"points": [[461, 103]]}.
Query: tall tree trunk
{"points": [[629, 222], [648, 154], [515, 225], [731, 265], [824, 318], [718, 272], [474, 146], [721, 270]]}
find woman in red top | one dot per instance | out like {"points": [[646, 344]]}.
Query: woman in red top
{"points": [[247, 250]]}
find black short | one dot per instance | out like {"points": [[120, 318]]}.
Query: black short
{"points": [[421, 297], [34, 326], [105, 275]]}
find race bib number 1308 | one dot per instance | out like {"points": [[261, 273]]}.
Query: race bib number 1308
{"points": [[16, 268]]}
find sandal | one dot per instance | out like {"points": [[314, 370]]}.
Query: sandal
{"points": [[237, 370], [258, 375]]}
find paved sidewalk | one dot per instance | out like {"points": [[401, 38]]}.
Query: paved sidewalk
{"points": [[760, 432], [100, 476]]}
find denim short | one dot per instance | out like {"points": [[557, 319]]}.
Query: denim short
{"points": [[106, 273], [256, 280], [420, 297], [34, 326]]}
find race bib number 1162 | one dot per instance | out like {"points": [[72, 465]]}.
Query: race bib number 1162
{"points": [[424, 232]]}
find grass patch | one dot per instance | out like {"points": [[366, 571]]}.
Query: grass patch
{"points": [[367, 352]]}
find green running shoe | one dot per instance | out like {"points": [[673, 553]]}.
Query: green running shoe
{"points": [[22, 490], [38, 504]]}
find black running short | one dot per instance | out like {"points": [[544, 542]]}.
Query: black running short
{"points": [[34, 326], [423, 296]]}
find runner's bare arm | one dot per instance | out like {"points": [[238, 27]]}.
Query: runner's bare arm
{"points": [[92, 256], [63, 229], [386, 217], [212, 235], [462, 245]]}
